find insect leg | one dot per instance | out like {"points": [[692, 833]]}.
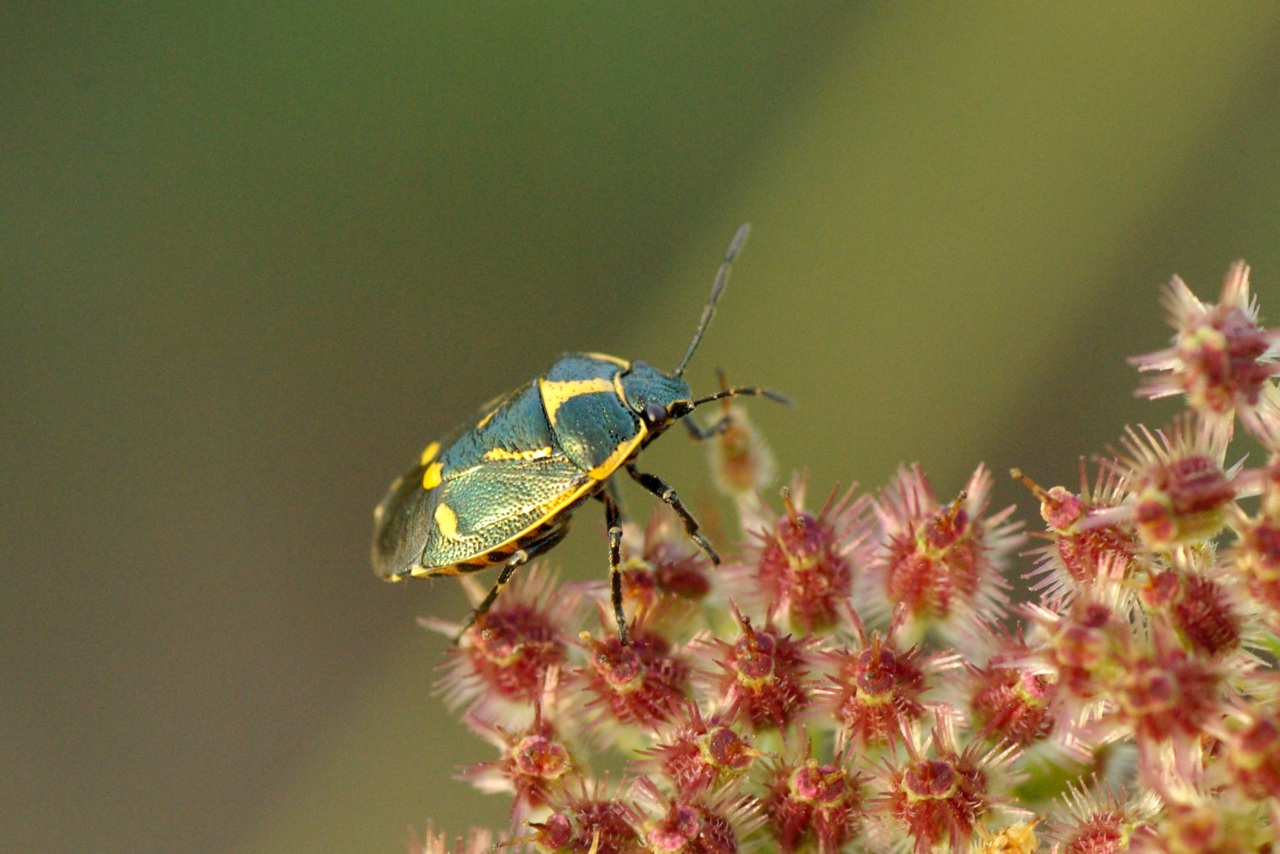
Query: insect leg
{"points": [[508, 569], [655, 484], [697, 431], [613, 518]]}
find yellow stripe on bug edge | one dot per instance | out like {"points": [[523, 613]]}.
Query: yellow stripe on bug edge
{"points": [[618, 457], [431, 477], [605, 357], [504, 454], [555, 393], [429, 453], [447, 521]]}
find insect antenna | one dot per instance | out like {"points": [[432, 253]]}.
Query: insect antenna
{"points": [[722, 279], [753, 391]]}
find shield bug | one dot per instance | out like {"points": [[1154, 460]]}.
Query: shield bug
{"points": [[504, 486]]}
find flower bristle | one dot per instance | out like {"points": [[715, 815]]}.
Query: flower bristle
{"points": [[856, 677]]}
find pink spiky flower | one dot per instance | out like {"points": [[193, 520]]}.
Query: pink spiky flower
{"points": [[535, 763], [700, 754], [940, 794], [1088, 646], [1180, 493], [764, 675], [501, 666], [1102, 821], [1012, 697], [589, 821], [1222, 358], [695, 824], [664, 578], [941, 566], [1167, 693], [810, 802], [1081, 551], [803, 570], [1198, 607], [1252, 752], [640, 684], [876, 689]]}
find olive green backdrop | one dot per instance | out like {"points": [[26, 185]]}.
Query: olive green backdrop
{"points": [[253, 257]]}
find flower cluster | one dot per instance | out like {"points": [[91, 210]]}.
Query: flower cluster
{"points": [[859, 678]]}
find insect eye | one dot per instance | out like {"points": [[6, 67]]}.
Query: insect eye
{"points": [[655, 415]]}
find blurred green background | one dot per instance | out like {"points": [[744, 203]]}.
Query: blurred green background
{"points": [[254, 256]]}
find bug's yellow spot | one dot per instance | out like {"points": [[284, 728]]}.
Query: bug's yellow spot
{"points": [[447, 521], [431, 477], [487, 418], [555, 393], [504, 454], [429, 453]]}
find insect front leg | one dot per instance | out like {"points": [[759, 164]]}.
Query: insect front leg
{"points": [[508, 569], [658, 487], [697, 431], [613, 518]]}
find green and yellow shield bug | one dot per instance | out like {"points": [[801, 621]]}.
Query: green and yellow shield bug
{"points": [[503, 487]]}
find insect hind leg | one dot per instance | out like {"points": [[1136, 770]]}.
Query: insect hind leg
{"points": [[517, 560], [613, 518], [667, 495]]}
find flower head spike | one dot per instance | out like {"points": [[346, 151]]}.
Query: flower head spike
{"points": [[664, 578], [501, 665], [700, 754], [1181, 495], [695, 824], [1088, 645], [1202, 818], [1221, 358], [641, 684], [764, 675], [1252, 753], [942, 564], [876, 689], [534, 763], [1080, 551], [804, 567], [1256, 557], [1099, 822], [589, 821], [939, 794], [1012, 697], [1168, 693], [811, 802], [1199, 607], [741, 462]]}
